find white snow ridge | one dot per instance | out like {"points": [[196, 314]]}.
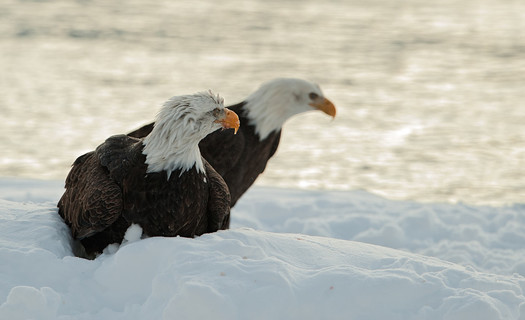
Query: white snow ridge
{"points": [[289, 255]]}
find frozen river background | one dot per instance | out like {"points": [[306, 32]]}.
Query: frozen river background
{"points": [[430, 95]]}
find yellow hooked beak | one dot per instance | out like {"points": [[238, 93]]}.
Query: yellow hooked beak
{"points": [[325, 105], [230, 120]]}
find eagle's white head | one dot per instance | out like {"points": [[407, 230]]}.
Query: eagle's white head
{"points": [[182, 122], [278, 100]]}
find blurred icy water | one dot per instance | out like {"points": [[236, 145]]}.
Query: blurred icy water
{"points": [[430, 94]]}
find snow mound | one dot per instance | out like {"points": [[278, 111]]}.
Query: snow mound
{"points": [[276, 271], [486, 238]]}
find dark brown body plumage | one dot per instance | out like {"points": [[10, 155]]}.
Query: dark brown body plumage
{"points": [[109, 188], [239, 158]]}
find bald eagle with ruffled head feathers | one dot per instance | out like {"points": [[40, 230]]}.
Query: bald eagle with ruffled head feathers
{"points": [[241, 158], [160, 182]]}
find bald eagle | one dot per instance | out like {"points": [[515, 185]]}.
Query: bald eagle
{"points": [[240, 159], [160, 182]]}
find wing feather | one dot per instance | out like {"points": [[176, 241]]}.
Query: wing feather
{"points": [[218, 210], [93, 197], [92, 201]]}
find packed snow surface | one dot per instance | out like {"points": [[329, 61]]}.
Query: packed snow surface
{"points": [[290, 254]]}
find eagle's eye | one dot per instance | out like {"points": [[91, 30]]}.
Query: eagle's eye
{"points": [[217, 112], [313, 95]]}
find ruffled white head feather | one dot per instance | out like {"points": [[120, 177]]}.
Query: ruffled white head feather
{"points": [[181, 123]]}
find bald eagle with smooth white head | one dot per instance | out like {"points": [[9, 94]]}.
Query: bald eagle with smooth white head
{"points": [[240, 159], [160, 182]]}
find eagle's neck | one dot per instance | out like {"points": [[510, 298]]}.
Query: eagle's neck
{"points": [[267, 111], [170, 147]]}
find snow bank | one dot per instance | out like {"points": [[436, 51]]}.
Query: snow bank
{"points": [[490, 239], [456, 262]]}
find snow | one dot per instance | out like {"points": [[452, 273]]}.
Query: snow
{"points": [[290, 254]]}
